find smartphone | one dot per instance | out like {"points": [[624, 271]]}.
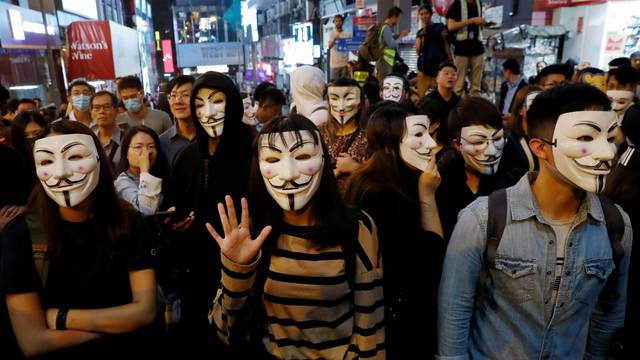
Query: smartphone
{"points": [[175, 216]]}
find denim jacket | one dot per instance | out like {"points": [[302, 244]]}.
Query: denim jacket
{"points": [[509, 314]]}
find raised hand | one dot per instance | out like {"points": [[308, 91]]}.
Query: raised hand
{"points": [[237, 244], [9, 213], [145, 162], [429, 179]]}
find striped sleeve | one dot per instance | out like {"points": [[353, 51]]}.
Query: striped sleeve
{"points": [[368, 340], [230, 307]]}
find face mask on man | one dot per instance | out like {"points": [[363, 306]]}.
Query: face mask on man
{"points": [[344, 102], [393, 89], [481, 148], [81, 102], [67, 166], [210, 110], [416, 147], [133, 105], [583, 148], [621, 100], [291, 166]]}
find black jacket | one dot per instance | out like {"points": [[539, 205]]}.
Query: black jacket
{"points": [[503, 93]]}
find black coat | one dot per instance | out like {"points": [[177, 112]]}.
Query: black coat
{"points": [[503, 93]]}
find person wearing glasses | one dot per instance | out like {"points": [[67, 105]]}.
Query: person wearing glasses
{"points": [[476, 131], [183, 133], [103, 114], [132, 95]]}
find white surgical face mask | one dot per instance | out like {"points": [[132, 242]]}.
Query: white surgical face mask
{"points": [[210, 109], [416, 147], [249, 117], [392, 89], [344, 102], [621, 100], [67, 166], [481, 147], [583, 147], [291, 167]]}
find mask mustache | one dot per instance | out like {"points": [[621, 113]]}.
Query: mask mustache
{"points": [[292, 184], [67, 182], [210, 119], [601, 166]]}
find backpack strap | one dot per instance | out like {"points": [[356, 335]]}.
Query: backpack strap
{"points": [[496, 222], [615, 228]]}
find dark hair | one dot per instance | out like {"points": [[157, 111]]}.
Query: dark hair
{"points": [[634, 54], [518, 103], [473, 110], [12, 105], [18, 136], [437, 114], [334, 220], [159, 168], [179, 81], [622, 185], [108, 209], [426, 7], [394, 11], [273, 96], [561, 69], [620, 61], [512, 65], [130, 82], [385, 130], [400, 68], [446, 64], [625, 75], [549, 105], [257, 92], [80, 83], [114, 98], [26, 101], [338, 16], [371, 90]]}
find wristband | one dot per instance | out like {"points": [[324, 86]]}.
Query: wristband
{"points": [[61, 319]]}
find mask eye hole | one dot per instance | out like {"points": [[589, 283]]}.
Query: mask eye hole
{"points": [[75, 157], [419, 134], [585, 138], [45, 162], [272, 160], [303, 157]]}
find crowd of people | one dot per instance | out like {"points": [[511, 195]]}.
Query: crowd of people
{"points": [[362, 218]]}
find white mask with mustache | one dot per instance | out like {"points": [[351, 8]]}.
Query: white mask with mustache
{"points": [[344, 102], [583, 147], [68, 167], [210, 110], [417, 145], [481, 147], [249, 116], [621, 100], [291, 167], [393, 89]]}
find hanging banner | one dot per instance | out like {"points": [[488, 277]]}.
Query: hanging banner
{"points": [[90, 52]]}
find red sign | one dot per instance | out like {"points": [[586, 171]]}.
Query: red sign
{"points": [[90, 53], [552, 4], [167, 56], [442, 6]]}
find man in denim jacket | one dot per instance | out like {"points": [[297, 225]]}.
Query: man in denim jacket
{"points": [[545, 298]]}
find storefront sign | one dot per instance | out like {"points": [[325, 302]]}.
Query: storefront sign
{"points": [[81, 7], [167, 56], [270, 46], [101, 50], [23, 28], [90, 50], [229, 53]]}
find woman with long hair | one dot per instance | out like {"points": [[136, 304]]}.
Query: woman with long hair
{"points": [[142, 170], [93, 295], [25, 129], [343, 134], [396, 186], [313, 270]]}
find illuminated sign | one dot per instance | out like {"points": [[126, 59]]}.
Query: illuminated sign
{"points": [[19, 27], [167, 56], [81, 7]]}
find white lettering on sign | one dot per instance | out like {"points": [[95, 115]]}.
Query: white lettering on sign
{"points": [[77, 47]]}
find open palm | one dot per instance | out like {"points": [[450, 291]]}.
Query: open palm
{"points": [[237, 244]]}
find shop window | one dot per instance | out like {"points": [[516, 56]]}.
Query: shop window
{"points": [[195, 27]]}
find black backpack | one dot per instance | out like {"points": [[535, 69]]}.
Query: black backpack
{"points": [[497, 218]]}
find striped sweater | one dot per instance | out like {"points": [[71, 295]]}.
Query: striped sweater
{"points": [[311, 311]]}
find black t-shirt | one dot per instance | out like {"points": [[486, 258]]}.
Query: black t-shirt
{"points": [[472, 46], [448, 105], [14, 183], [93, 274], [433, 51]]}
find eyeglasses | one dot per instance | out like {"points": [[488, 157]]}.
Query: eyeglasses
{"points": [[175, 97], [482, 144], [102, 107]]}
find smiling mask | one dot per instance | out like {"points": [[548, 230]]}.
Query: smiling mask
{"points": [[68, 167], [583, 147], [210, 109], [416, 147], [344, 102], [393, 89], [291, 167], [621, 100], [249, 116], [481, 147]]}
